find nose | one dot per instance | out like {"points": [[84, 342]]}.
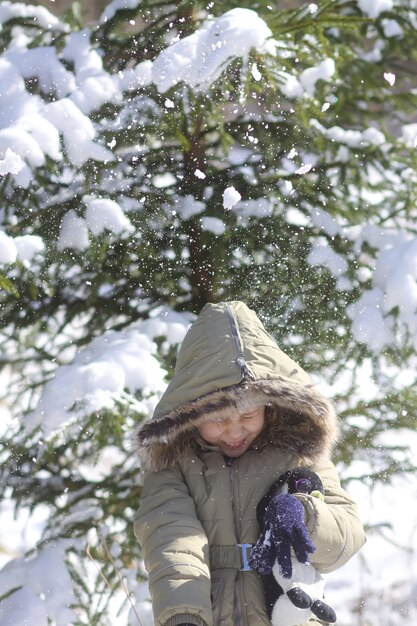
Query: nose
{"points": [[235, 431]]}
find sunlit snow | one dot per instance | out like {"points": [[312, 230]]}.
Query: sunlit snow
{"points": [[10, 10], [105, 214], [112, 8], [111, 364], [44, 587], [305, 83], [11, 164], [199, 59], [230, 197], [409, 135], [213, 224], [373, 8], [73, 232], [350, 137], [8, 249]]}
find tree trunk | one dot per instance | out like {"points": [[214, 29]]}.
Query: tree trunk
{"points": [[90, 10]]}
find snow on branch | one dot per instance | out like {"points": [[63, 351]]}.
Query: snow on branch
{"points": [[111, 365], [199, 59]]}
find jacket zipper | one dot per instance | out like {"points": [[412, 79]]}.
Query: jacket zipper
{"points": [[240, 360], [236, 620], [238, 600]]}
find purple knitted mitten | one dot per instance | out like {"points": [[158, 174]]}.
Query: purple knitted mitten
{"points": [[283, 528]]}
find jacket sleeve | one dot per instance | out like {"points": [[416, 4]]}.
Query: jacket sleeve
{"points": [[333, 523], [175, 551]]}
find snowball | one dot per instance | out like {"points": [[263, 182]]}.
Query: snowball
{"points": [[230, 197], [105, 214]]}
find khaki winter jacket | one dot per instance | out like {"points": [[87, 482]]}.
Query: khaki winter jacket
{"points": [[197, 517]]}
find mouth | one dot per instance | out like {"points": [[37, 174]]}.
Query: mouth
{"points": [[235, 445]]}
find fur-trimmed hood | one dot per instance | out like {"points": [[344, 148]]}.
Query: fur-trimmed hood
{"points": [[227, 359]]}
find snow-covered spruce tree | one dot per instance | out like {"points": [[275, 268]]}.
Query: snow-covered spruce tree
{"points": [[179, 153]]}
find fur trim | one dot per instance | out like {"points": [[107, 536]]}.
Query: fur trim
{"points": [[300, 420]]}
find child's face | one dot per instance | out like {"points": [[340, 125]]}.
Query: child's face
{"points": [[234, 433]]}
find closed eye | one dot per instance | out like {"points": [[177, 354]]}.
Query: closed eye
{"points": [[219, 420]]}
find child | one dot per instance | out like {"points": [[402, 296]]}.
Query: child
{"points": [[237, 414]]}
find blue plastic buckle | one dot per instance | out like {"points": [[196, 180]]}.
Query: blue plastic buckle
{"points": [[245, 549]]}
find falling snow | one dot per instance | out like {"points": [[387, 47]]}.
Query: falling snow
{"points": [[50, 99], [230, 197]]}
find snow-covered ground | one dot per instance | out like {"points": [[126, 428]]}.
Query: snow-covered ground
{"points": [[378, 586]]}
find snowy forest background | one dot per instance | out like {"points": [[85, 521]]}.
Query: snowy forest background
{"points": [[170, 154]]}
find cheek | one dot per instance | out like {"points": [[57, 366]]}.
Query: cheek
{"points": [[257, 425], [209, 431]]}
